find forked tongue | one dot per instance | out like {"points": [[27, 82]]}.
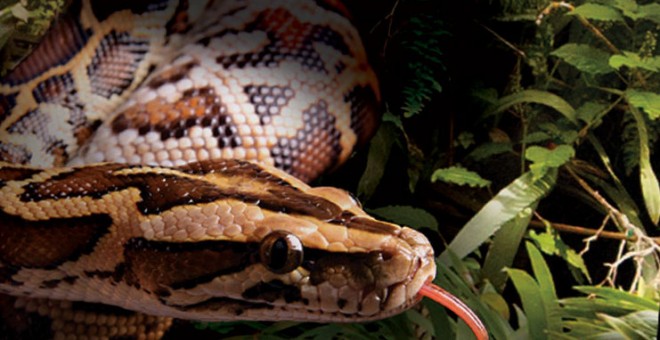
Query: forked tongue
{"points": [[457, 306]]}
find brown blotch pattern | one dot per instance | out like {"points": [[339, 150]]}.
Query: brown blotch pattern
{"points": [[171, 75], [93, 181], [268, 101], [314, 148], [364, 112], [291, 39], [114, 63], [47, 244], [14, 154], [10, 173], [7, 103], [196, 107]]}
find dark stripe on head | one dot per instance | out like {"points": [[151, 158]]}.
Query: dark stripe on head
{"points": [[160, 192], [93, 181], [361, 269], [349, 220], [155, 265], [160, 267], [280, 196], [47, 244]]}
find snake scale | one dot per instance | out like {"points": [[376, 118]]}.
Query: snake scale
{"points": [[155, 156]]}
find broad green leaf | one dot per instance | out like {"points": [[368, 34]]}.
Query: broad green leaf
{"points": [[650, 12], [634, 11], [550, 157], [621, 298], [505, 247], [506, 205], [20, 12], [532, 302], [590, 111], [465, 139], [523, 330], [460, 176], [568, 135], [647, 101], [406, 215], [597, 12], [537, 137], [486, 150], [553, 245], [584, 58], [633, 60], [537, 97], [497, 303], [648, 180], [379, 153], [547, 288], [543, 158]]}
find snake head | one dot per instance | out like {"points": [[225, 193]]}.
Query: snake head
{"points": [[269, 247]]}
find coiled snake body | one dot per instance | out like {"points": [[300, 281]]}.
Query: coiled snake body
{"points": [[120, 185]]}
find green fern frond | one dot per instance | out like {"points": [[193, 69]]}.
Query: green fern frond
{"points": [[424, 62]]}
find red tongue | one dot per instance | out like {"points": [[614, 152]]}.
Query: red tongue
{"points": [[457, 306]]}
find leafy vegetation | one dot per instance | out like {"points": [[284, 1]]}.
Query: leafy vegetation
{"points": [[508, 123], [556, 152]]}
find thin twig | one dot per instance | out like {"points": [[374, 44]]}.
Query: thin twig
{"points": [[642, 247], [573, 229]]}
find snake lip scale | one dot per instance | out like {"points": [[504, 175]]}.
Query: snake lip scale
{"points": [[153, 165]]}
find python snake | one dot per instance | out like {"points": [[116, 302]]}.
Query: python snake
{"points": [[121, 183]]}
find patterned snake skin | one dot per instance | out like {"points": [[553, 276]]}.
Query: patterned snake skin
{"points": [[122, 199]]}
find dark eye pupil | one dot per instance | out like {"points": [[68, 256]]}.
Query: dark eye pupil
{"points": [[281, 252], [278, 254]]}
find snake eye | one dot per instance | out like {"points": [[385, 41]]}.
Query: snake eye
{"points": [[281, 252]]}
